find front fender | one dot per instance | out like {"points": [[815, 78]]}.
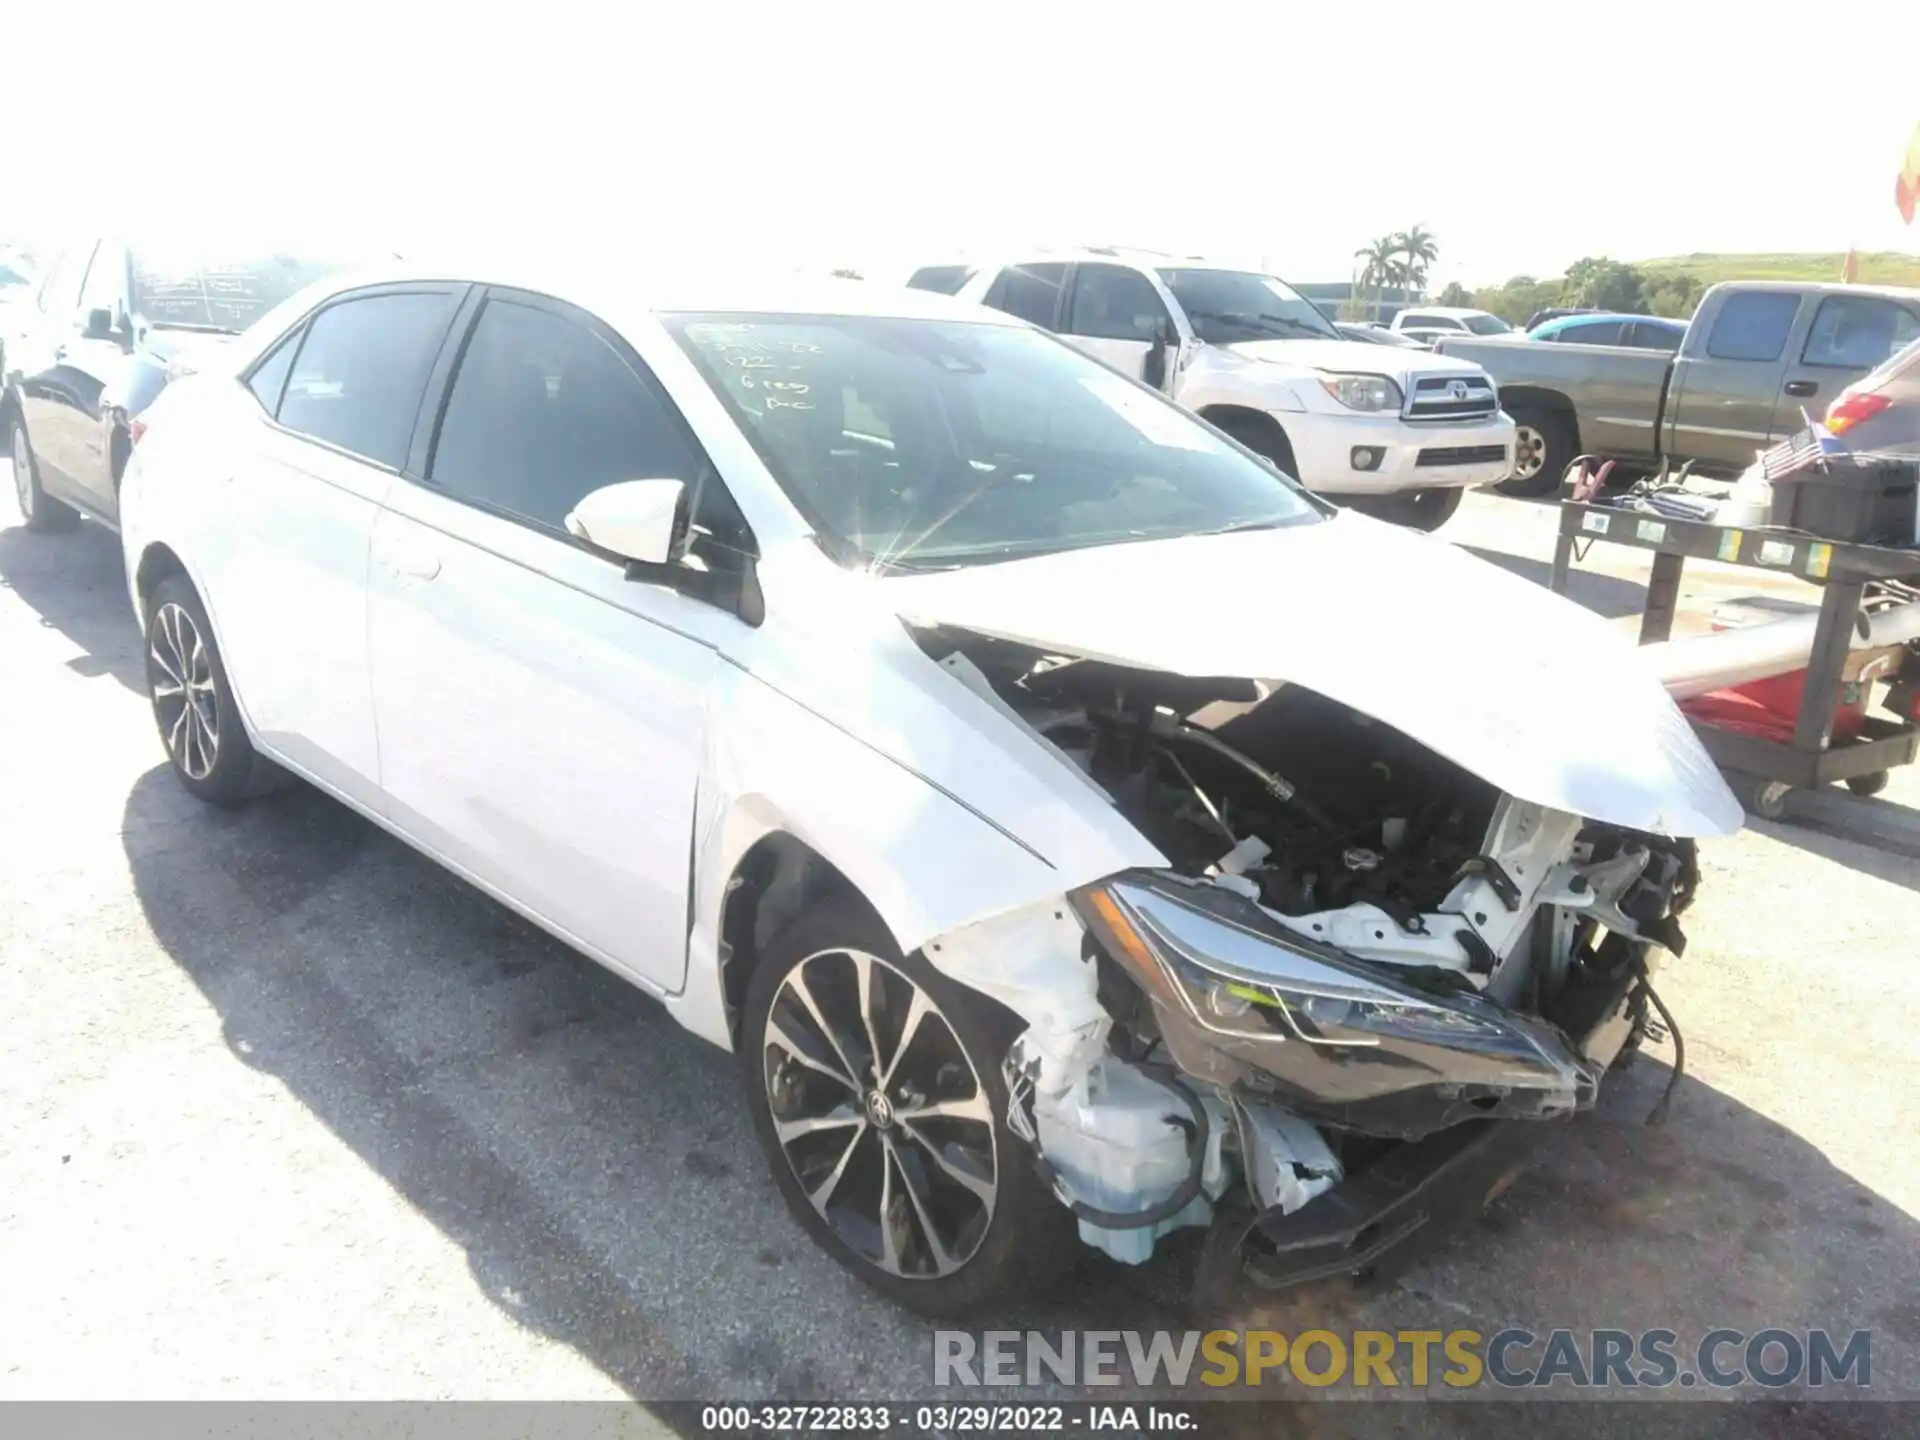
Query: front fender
{"points": [[927, 862]]}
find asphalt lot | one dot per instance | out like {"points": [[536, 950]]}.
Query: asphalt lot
{"points": [[287, 1111]]}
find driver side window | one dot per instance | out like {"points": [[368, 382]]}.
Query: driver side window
{"points": [[544, 411], [1111, 302]]}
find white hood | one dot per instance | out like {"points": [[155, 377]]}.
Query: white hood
{"points": [[1355, 356], [1524, 688]]}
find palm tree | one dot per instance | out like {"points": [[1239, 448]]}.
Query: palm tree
{"points": [[1376, 268], [1421, 250]]}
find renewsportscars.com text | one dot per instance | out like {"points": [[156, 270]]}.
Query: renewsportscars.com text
{"points": [[1515, 1359]]}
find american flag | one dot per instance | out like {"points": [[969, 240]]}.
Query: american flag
{"points": [[1815, 445]]}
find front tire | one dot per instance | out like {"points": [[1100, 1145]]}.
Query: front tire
{"points": [[193, 703], [875, 1086], [1543, 448], [38, 509]]}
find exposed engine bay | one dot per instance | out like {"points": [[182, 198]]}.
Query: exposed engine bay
{"points": [[1367, 974]]}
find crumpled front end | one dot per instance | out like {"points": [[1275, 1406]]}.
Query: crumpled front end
{"points": [[1354, 1002]]}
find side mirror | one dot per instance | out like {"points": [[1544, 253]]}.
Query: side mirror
{"points": [[98, 326], [640, 520]]}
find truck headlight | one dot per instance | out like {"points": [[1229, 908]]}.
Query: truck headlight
{"points": [[1361, 392]]}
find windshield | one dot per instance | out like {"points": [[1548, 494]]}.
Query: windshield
{"points": [[1227, 306], [927, 444], [1486, 324], [198, 290]]}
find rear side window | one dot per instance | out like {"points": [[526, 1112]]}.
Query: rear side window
{"points": [[543, 412], [941, 279], [1030, 291], [269, 377], [1753, 326], [1648, 336], [1858, 332], [362, 369], [1600, 332]]}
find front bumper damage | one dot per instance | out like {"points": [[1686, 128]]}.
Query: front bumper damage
{"points": [[1325, 1115]]}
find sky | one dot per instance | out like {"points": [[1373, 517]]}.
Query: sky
{"points": [[837, 132]]}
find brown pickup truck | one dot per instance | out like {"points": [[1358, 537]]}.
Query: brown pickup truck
{"points": [[1755, 356]]}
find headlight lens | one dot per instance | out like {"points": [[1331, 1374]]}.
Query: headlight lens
{"points": [[1234, 981], [1361, 392]]}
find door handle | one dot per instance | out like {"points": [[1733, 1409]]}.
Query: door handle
{"points": [[416, 565], [1803, 387]]}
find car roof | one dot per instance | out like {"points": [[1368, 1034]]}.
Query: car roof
{"points": [[624, 286], [1596, 316]]}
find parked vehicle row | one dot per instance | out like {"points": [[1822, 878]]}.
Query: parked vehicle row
{"points": [[108, 326], [1036, 791], [1756, 358], [1390, 430]]}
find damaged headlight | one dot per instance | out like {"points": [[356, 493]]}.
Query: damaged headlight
{"points": [[1381, 1055], [1256, 984], [1361, 392]]}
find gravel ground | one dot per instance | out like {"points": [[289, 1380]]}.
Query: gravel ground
{"points": [[285, 1111]]}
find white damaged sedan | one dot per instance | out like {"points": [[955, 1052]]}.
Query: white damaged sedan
{"points": [[1068, 821]]}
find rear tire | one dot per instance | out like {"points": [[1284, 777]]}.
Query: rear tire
{"points": [[38, 509], [193, 703], [1869, 784], [944, 1215], [1542, 451]]}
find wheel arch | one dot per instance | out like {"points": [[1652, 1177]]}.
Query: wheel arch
{"points": [[157, 561], [778, 878], [1540, 397], [1229, 417]]}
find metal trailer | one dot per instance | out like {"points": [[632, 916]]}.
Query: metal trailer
{"points": [[1763, 772]]}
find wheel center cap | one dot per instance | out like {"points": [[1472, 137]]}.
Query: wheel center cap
{"points": [[879, 1110]]}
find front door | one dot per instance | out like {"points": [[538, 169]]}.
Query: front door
{"points": [[1114, 315], [1851, 334], [543, 718], [1721, 402], [43, 361]]}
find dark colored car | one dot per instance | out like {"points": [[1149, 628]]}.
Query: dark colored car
{"points": [[110, 324]]}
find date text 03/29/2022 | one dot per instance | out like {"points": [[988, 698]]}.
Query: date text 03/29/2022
{"points": [[946, 1418]]}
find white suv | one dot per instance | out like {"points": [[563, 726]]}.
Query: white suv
{"points": [[1398, 433]]}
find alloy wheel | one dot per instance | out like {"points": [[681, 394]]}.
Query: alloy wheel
{"points": [[880, 1113], [1529, 452], [180, 676]]}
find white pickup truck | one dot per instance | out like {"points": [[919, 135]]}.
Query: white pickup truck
{"points": [[1399, 433]]}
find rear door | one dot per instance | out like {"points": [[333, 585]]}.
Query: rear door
{"points": [[1116, 316], [284, 555], [1850, 335], [1723, 397]]}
